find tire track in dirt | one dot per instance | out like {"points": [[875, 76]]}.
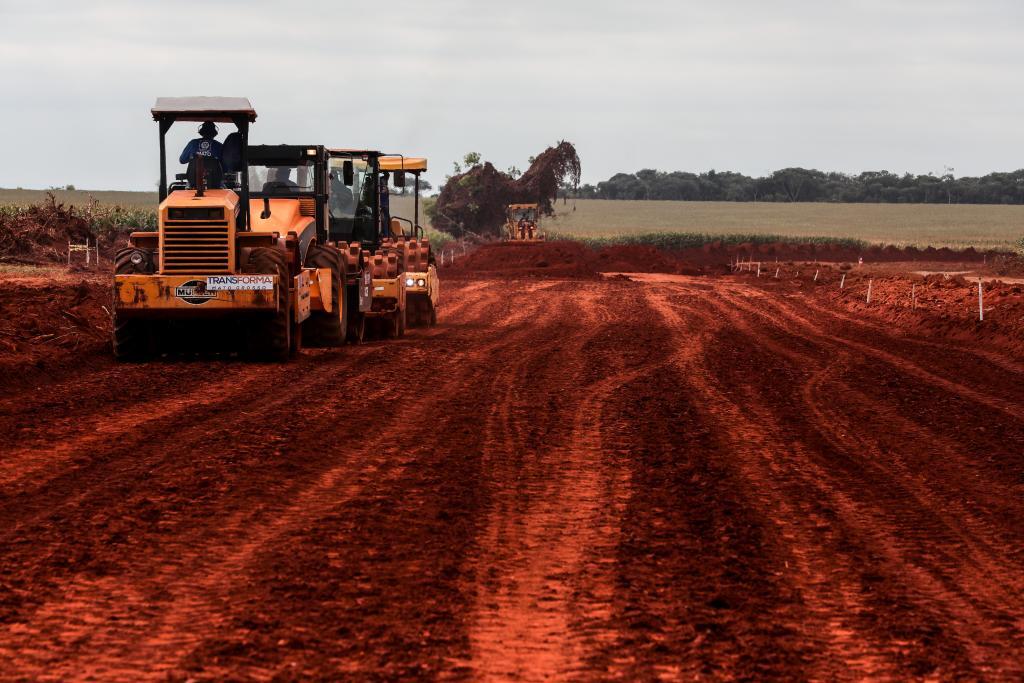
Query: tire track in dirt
{"points": [[944, 358], [119, 599], [599, 480], [890, 396], [96, 583], [824, 581], [905, 506], [94, 422], [404, 519], [856, 325], [85, 433], [556, 497], [699, 595], [834, 421]]}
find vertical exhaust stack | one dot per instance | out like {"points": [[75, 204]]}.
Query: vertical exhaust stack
{"points": [[200, 167]]}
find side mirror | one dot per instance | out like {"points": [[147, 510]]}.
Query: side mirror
{"points": [[348, 172], [399, 180]]}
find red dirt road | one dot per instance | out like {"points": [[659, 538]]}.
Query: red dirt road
{"points": [[587, 479]]}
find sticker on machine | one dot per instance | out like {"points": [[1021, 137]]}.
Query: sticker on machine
{"points": [[239, 283], [194, 292]]}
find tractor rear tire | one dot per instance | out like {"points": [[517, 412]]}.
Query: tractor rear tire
{"points": [[323, 329], [433, 313], [132, 339], [269, 338]]}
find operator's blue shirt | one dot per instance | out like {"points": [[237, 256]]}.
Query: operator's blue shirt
{"points": [[202, 147]]}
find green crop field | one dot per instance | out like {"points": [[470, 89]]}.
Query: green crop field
{"points": [[938, 225]]}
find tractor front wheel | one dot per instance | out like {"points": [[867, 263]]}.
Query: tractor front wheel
{"points": [[323, 329], [269, 337]]}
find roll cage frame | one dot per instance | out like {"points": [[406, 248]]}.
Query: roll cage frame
{"points": [[237, 110]]}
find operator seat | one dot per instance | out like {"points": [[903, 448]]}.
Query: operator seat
{"points": [[213, 170]]}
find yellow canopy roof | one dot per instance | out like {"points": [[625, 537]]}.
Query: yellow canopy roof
{"points": [[393, 163]]}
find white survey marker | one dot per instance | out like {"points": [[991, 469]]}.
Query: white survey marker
{"points": [[234, 283]]}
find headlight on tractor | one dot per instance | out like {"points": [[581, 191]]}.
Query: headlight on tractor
{"points": [[409, 282], [137, 258], [421, 282]]}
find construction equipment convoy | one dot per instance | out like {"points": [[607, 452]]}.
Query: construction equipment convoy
{"points": [[522, 223], [278, 248]]}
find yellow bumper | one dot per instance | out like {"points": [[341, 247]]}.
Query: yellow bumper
{"points": [[388, 297], [194, 294]]}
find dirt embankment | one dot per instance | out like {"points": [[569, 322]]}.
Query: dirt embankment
{"points": [[568, 259], [935, 306], [39, 234], [51, 322]]}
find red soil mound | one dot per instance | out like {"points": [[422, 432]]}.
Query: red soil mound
{"points": [[567, 259], [46, 327], [40, 233], [938, 307], [942, 307], [529, 259]]}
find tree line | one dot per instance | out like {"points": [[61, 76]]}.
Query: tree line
{"points": [[809, 185]]}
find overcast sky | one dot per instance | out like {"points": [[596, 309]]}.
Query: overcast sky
{"points": [[745, 85]]}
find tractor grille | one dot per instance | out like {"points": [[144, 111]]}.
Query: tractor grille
{"points": [[191, 247]]}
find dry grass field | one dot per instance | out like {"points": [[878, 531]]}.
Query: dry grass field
{"points": [[922, 225]]}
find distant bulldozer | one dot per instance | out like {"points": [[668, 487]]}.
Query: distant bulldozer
{"points": [[522, 223]]}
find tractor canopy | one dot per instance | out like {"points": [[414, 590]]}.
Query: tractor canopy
{"points": [[217, 109], [236, 110], [400, 163]]}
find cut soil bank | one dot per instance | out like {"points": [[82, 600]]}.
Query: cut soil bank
{"points": [[570, 259], [51, 323], [40, 233], [937, 307]]}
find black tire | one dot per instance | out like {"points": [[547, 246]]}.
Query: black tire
{"points": [[413, 313], [356, 333], [433, 313], [357, 328], [268, 337], [400, 324], [132, 340], [323, 329], [423, 319]]}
